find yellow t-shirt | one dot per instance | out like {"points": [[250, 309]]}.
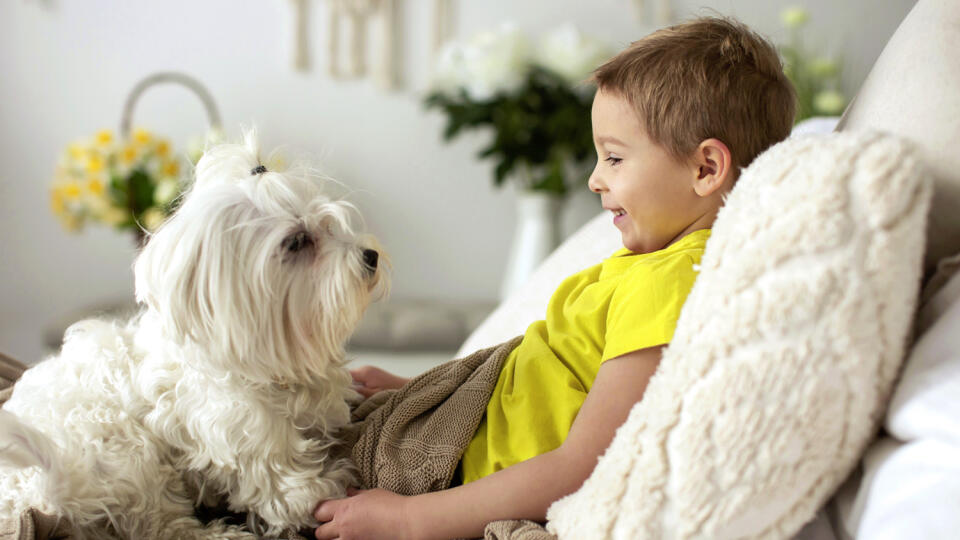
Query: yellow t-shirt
{"points": [[628, 302]]}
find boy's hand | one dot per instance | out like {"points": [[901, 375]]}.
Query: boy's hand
{"points": [[369, 380], [370, 514]]}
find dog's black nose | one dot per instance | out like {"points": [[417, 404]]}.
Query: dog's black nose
{"points": [[370, 258]]}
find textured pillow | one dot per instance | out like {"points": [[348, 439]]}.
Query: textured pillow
{"points": [[912, 91], [784, 355]]}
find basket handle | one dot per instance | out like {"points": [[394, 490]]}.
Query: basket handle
{"points": [[163, 77]]}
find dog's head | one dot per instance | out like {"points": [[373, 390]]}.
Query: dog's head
{"points": [[259, 268]]}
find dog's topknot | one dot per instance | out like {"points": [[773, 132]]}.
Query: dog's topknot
{"points": [[230, 161]]}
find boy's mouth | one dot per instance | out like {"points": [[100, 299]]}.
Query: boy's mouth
{"points": [[618, 214]]}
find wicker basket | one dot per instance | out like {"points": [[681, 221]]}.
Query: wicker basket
{"points": [[213, 115]]}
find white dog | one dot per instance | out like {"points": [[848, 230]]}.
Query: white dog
{"points": [[228, 386]]}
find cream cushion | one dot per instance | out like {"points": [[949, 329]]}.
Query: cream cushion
{"points": [[913, 90], [784, 355]]}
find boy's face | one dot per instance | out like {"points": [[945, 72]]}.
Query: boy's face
{"points": [[650, 194]]}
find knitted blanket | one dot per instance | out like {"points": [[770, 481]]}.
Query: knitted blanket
{"points": [[408, 441]]}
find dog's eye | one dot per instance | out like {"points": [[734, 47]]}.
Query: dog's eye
{"points": [[296, 242]]}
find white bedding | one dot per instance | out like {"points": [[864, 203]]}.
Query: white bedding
{"points": [[910, 486]]}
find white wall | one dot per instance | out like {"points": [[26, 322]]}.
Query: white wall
{"points": [[66, 66]]}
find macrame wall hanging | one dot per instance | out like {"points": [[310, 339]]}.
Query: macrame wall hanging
{"points": [[443, 17], [663, 11], [347, 37], [354, 16], [301, 45]]}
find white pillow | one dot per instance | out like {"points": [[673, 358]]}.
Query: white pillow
{"points": [[784, 354], [911, 482]]}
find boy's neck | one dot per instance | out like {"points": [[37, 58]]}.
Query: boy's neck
{"points": [[703, 222]]}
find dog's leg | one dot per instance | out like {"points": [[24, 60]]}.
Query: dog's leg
{"points": [[168, 512], [284, 491], [189, 528]]}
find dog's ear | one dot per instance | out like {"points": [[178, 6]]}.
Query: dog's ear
{"points": [[167, 276], [185, 271], [187, 267]]}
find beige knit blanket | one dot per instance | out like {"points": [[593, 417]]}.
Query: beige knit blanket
{"points": [[408, 441]]}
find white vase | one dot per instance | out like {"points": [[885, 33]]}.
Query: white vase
{"points": [[536, 235]]}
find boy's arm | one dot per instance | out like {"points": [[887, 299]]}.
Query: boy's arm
{"points": [[522, 491], [369, 380]]}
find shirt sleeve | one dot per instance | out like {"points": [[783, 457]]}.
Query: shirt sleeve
{"points": [[646, 304]]}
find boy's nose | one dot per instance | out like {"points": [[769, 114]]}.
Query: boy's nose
{"points": [[594, 183]]}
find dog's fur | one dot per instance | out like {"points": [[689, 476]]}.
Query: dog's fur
{"points": [[229, 385]]}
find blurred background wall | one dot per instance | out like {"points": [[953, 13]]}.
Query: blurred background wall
{"points": [[67, 66]]}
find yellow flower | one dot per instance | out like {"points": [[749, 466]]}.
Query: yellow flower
{"points": [[71, 190], [65, 205], [794, 16], [170, 168], [76, 151], [80, 188], [95, 163], [141, 136], [128, 155], [95, 186], [103, 137], [163, 148], [56, 202]]}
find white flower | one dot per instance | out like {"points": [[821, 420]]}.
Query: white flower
{"points": [[570, 54], [491, 62], [152, 219], [166, 190], [112, 215], [451, 71]]}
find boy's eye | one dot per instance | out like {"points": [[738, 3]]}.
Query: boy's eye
{"points": [[613, 160]]}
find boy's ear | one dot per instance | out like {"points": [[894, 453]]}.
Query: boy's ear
{"points": [[714, 167]]}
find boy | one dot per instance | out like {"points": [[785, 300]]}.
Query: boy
{"points": [[675, 116]]}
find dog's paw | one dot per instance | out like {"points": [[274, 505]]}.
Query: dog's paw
{"points": [[293, 506]]}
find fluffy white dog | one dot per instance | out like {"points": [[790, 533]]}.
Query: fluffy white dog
{"points": [[229, 385]]}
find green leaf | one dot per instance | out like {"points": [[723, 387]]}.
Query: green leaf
{"points": [[140, 192], [502, 170], [545, 124]]}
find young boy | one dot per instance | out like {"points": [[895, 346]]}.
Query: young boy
{"points": [[675, 117]]}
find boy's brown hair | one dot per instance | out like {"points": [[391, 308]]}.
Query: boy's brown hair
{"points": [[708, 78]]}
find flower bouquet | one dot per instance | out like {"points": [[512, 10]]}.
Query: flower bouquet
{"points": [[132, 182], [130, 185], [533, 99], [816, 78]]}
